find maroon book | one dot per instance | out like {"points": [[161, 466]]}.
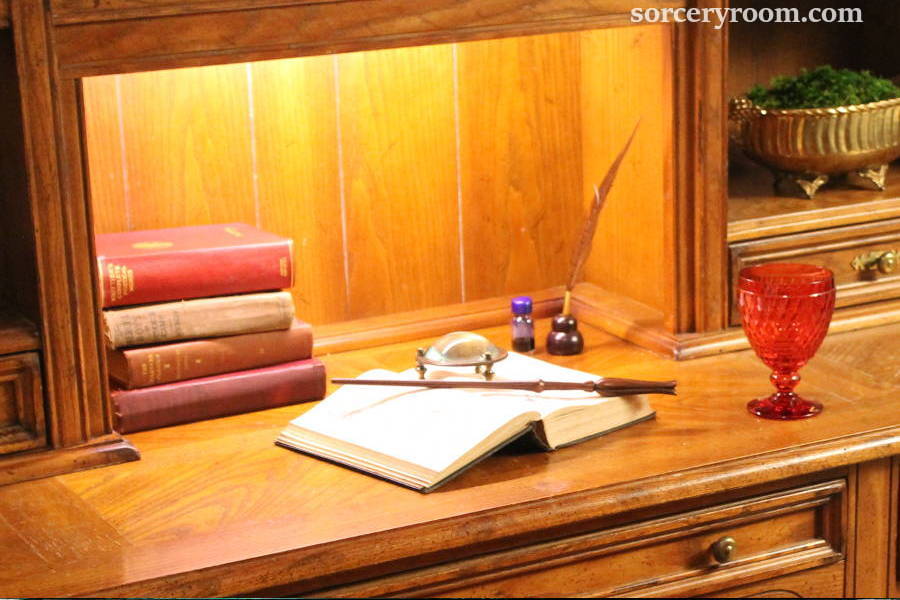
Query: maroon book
{"points": [[219, 395], [157, 265], [144, 366]]}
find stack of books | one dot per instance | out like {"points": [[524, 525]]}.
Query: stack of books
{"points": [[198, 325]]}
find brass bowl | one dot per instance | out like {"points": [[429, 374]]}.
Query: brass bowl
{"points": [[810, 144]]}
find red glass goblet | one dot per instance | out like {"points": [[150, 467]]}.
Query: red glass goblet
{"points": [[785, 309]]}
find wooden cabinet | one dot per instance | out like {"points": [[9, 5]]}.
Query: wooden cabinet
{"points": [[685, 554], [214, 508], [661, 278], [823, 582], [836, 248], [842, 222]]}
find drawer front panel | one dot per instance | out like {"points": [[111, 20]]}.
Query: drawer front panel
{"points": [[824, 582], [775, 534], [833, 248], [21, 404]]}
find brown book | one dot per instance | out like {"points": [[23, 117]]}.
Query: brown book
{"points": [[219, 395], [154, 365], [203, 318]]}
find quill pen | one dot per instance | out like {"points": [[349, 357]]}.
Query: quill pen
{"points": [[583, 250]]}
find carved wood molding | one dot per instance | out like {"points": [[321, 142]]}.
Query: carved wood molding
{"points": [[79, 417], [158, 40], [643, 326]]}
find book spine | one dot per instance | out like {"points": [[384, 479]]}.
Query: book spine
{"points": [[206, 317], [186, 274], [155, 365], [219, 396]]}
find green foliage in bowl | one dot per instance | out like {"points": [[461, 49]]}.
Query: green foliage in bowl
{"points": [[823, 87]]}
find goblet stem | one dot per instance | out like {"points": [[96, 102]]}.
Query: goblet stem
{"points": [[784, 403], [784, 382]]}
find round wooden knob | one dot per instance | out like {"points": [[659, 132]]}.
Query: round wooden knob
{"points": [[723, 549]]}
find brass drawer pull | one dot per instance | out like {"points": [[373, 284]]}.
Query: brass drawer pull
{"points": [[723, 549], [884, 261]]}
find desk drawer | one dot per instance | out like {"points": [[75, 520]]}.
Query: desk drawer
{"points": [[824, 582], [21, 403], [775, 535], [833, 248]]}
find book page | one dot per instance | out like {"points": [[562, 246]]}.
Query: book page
{"points": [[431, 428]]}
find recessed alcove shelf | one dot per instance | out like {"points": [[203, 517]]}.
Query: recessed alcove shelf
{"points": [[754, 211], [409, 178], [17, 334]]}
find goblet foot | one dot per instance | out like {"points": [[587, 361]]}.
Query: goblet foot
{"points": [[784, 407]]}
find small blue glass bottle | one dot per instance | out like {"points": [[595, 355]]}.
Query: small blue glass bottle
{"points": [[522, 324]]}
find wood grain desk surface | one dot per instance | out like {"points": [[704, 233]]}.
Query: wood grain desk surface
{"points": [[215, 508]]}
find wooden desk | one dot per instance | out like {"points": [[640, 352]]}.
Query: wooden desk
{"points": [[215, 508]]}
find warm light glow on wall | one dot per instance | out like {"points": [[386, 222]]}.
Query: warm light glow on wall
{"points": [[408, 178]]}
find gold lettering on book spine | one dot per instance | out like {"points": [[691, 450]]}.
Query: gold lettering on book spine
{"points": [[150, 369], [120, 281], [283, 266]]}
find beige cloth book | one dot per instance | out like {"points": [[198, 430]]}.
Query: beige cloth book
{"points": [[201, 318], [421, 438]]}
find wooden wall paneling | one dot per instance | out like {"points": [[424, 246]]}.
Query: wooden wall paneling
{"points": [[627, 76], [134, 44], [873, 529], [188, 149], [427, 322], [400, 184], [105, 148], [298, 177], [520, 162]]}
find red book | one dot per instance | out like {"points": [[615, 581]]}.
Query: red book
{"points": [[154, 365], [219, 395], [156, 265]]}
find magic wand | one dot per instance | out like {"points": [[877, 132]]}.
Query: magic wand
{"points": [[607, 386]]}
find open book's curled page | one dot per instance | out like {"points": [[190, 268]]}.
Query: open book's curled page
{"points": [[421, 438]]}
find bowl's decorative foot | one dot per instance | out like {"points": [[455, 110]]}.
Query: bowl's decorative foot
{"points": [[870, 178], [804, 185]]}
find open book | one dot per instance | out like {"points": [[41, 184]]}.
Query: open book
{"points": [[421, 438]]}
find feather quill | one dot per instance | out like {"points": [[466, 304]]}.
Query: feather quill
{"points": [[583, 250]]}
